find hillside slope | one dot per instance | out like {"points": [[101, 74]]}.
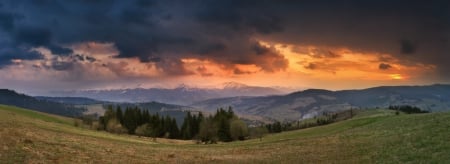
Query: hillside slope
{"points": [[70, 100], [373, 136], [311, 102], [10, 97]]}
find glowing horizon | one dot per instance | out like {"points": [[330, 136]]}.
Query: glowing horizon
{"points": [[122, 44], [308, 67]]}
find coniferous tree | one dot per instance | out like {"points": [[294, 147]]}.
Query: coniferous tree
{"points": [[109, 114], [119, 114], [145, 116], [196, 124], [276, 127], [186, 131], [222, 119], [269, 128], [130, 120], [162, 129], [140, 122], [224, 130], [174, 131]]}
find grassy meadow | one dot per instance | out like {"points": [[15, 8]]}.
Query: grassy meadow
{"points": [[373, 136]]}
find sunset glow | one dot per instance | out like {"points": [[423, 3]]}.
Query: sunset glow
{"points": [[307, 66], [288, 48], [396, 76]]}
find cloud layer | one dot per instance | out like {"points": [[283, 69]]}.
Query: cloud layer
{"points": [[161, 34]]}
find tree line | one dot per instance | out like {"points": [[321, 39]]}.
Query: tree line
{"points": [[406, 109], [138, 122], [223, 126], [323, 119]]}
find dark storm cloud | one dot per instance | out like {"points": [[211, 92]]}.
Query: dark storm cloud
{"points": [[417, 28], [8, 53], [384, 66], [7, 20], [173, 67], [79, 57], [57, 50], [152, 31], [225, 31], [407, 47], [237, 15], [260, 50], [82, 58], [34, 36], [90, 59], [211, 48]]}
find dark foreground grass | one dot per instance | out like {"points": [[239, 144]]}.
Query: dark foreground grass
{"points": [[374, 136]]}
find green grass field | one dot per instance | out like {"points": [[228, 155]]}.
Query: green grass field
{"points": [[373, 136]]}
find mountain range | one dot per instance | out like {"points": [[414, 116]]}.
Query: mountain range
{"points": [[182, 95]]}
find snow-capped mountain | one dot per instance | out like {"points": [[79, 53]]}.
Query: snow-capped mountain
{"points": [[181, 95]]}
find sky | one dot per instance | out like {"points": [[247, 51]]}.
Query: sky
{"points": [[49, 45]]}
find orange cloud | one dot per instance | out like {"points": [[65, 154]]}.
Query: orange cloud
{"points": [[307, 66]]}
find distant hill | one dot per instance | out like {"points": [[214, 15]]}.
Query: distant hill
{"points": [[70, 100], [10, 97], [290, 107], [182, 95], [312, 102], [98, 107]]}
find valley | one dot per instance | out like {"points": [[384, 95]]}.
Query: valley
{"points": [[288, 107]]}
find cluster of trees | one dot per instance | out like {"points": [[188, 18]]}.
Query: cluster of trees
{"points": [[191, 125], [327, 118], [324, 119], [224, 125], [258, 132], [278, 127], [139, 122], [407, 109]]}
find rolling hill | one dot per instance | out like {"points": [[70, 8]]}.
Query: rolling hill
{"points": [[10, 97], [70, 100], [373, 136], [312, 102]]}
